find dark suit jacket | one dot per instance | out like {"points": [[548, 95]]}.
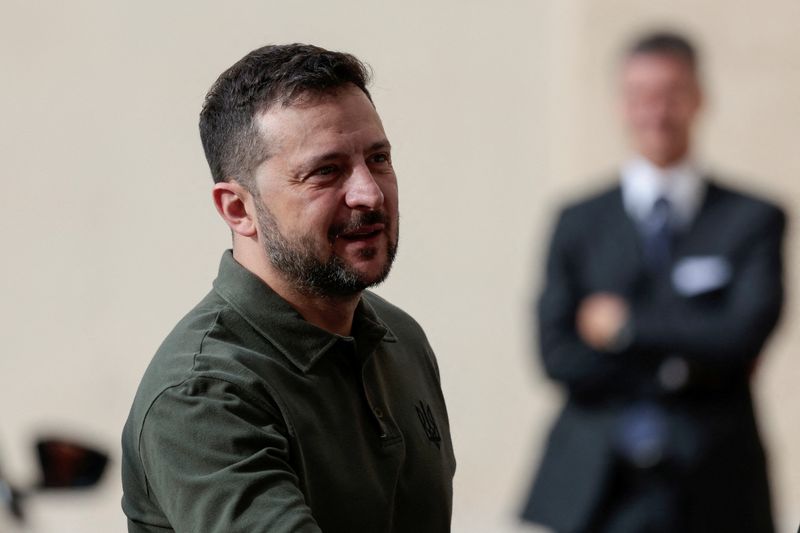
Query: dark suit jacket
{"points": [[716, 333]]}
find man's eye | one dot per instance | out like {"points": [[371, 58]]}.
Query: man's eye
{"points": [[380, 158], [325, 171]]}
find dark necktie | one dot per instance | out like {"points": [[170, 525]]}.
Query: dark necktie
{"points": [[642, 430], [657, 236]]}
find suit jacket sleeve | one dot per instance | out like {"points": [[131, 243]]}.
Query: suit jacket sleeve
{"points": [[736, 331], [565, 356]]}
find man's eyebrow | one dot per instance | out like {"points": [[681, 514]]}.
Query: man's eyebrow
{"points": [[383, 144]]}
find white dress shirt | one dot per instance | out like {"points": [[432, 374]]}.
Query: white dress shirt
{"points": [[682, 185]]}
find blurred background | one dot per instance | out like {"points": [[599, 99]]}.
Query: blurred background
{"points": [[498, 112]]}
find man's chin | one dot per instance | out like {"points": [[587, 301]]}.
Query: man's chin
{"points": [[368, 267], [372, 276], [663, 152]]}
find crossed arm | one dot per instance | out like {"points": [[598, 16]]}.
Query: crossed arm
{"points": [[579, 332]]}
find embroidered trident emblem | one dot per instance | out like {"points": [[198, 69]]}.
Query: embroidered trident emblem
{"points": [[425, 416]]}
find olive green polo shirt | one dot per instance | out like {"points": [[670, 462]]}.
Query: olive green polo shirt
{"points": [[250, 419]]}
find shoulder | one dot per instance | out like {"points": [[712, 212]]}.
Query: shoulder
{"points": [[203, 355], [595, 209], [597, 205], [750, 208], [174, 360]]}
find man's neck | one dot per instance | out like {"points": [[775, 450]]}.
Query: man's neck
{"points": [[334, 314], [665, 161]]}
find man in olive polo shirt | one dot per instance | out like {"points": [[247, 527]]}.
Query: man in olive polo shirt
{"points": [[290, 399]]}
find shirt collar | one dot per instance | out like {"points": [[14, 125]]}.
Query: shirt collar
{"points": [[275, 319], [681, 184]]}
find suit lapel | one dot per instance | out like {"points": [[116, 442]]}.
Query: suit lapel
{"points": [[621, 247], [624, 226], [693, 240]]}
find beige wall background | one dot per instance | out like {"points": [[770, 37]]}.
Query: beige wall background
{"points": [[498, 111]]}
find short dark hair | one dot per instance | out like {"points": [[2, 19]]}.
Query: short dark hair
{"points": [[666, 42], [268, 76]]}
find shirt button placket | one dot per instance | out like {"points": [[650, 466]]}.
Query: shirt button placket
{"points": [[377, 411]]}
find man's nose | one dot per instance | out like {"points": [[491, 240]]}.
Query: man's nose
{"points": [[363, 192], [660, 108]]}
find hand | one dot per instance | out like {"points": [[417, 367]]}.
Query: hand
{"points": [[600, 319]]}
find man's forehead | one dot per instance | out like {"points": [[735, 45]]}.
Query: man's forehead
{"points": [[652, 61], [330, 115]]}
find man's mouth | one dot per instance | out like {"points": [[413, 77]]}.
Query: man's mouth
{"points": [[362, 232], [361, 227]]}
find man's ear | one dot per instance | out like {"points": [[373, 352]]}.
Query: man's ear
{"points": [[234, 204]]}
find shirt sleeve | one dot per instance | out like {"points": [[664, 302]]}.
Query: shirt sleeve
{"points": [[217, 461]]}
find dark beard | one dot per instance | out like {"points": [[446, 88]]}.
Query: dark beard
{"points": [[297, 259]]}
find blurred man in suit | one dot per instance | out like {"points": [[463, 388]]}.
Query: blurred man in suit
{"points": [[659, 295]]}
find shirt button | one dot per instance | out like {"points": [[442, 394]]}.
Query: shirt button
{"points": [[378, 412], [673, 374]]}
